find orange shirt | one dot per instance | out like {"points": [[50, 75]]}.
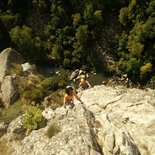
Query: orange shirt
{"points": [[70, 97]]}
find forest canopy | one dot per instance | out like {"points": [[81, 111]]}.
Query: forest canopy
{"points": [[75, 33]]}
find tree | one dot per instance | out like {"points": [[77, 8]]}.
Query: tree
{"points": [[22, 38], [137, 41]]}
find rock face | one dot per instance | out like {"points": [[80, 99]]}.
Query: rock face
{"points": [[7, 57], [126, 117], [9, 91], [112, 121], [76, 136], [15, 131]]}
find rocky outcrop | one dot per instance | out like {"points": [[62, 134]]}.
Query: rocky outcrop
{"points": [[112, 121], [76, 136], [14, 131], [77, 74], [126, 117], [11, 135], [9, 91], [7, 57], [114, 140]]}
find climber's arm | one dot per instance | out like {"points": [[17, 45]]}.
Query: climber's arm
{"points": [[77, 97]]}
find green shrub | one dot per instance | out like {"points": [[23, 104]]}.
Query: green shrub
{"points": [[30, 82], [15, 110], [22, 38], [56, 99], [8, 19], [146, 68], [22, 83], [130, 66], [52, 130], [145, 71], [151, 83], [98, 14], [32, 94], [33, 120], [76, 19], [54, 83], [49, 83], [123, 16], [33, 80], [15, 69], [63, 80], [67, 63]]}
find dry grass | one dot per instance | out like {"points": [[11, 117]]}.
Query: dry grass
{"points": [[4, 149], [7, 115]]}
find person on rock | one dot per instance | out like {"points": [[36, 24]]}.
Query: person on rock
{"points": [[69, 97], [84, 84]]}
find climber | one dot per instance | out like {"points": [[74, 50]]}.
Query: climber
{"points": [[84, 84], [69, 96]]}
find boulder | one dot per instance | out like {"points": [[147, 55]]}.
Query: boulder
{"points": [[57, 72], [7, 57], [27, 67], [9, 91], [74, 74], [77, 74]]}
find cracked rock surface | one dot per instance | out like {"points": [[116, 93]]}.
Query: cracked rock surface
{"points": [[127, 118], [112, 121]]}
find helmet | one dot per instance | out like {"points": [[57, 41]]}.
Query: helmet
{"points": [[82, 80], [68, 88]]}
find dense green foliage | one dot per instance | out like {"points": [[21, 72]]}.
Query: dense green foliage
{"points": [[137, 42], [32, 95], [54, 82], [61, 31], [34, 89], [33, 119], [71, 33]]}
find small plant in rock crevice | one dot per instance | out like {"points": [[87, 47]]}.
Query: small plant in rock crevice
{"points": [[53, 130]]}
